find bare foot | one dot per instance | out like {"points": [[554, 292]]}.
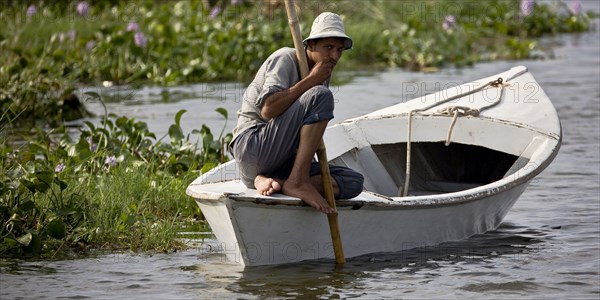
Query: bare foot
{"points": [[267, 186], [307, 192]]}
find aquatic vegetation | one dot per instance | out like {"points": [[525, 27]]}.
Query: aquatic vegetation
{"points": [[169, 43], [427, 35], [112, 185]]}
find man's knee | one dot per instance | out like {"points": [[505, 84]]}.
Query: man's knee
{"points": [[318, 104], [350, 184], [321, 91], [318, 95]]}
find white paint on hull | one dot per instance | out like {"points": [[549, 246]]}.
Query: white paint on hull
{"points": [[261, 230]]}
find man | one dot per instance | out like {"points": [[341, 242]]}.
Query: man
{"points": [[283, 118]]}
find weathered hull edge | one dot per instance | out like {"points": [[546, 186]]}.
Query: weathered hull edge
{"points": [[260, 234], [524, 175]]}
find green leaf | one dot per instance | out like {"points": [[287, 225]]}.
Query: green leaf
{"points": [[41, 186], [36, 147], [63, 185], [207, 139], [44, 180], [25, 239], [92, 96], [56, 229], [90, 125], [45, 176], [27, 206], [65, 211], [207, 167], [28, 184], [8, 243], [72, 151], [35, 245], [178, 116], [4, 213], [121, 122], [84, 153], [205, 129], [175, 133], [222, 111]]}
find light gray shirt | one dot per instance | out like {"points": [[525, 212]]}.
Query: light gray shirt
{"points": [[279, 72]]}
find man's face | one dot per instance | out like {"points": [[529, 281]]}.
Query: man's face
{"points": [[327, 49]]}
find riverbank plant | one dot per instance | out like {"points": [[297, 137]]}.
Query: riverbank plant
{"points": [[107, 186], [48, 49]]}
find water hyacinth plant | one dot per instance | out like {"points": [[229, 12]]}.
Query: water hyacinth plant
{"points": [[449, 22], [133, 26], [176, 42], [215, 12], [31, 10], [112, 185], [575, 7], [83, 8], [139, 39], [527, 7]]}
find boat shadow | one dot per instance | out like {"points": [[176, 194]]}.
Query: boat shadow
{"points": [[321, 278]]}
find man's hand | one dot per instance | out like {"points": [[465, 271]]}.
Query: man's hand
{"points": [[321, 72], [276, 104]]}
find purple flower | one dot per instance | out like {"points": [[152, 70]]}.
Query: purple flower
{"points": [[133, 26], [82, 8], [59, 168], [31, 10], [90, 45], [215, 12], [139, 39], [527, 7], [111, 161], [449, 22], [575, 7], [72, 34], [90, 141]]}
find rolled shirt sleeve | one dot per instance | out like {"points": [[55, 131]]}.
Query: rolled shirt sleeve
{"points": [[277, 73], [280, 73]]}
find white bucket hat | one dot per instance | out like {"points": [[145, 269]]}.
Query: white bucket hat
{"points": [[328, 25]]}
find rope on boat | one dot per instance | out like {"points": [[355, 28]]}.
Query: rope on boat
{"points": [[457, 111], [454, 111]]}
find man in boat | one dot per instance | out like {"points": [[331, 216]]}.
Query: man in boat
{"points": [[282, 121]]}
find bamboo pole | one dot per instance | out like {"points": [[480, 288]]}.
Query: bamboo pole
{"points": [[321, 151]]}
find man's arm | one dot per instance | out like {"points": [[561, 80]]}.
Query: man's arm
{"points": [[277, 103]]}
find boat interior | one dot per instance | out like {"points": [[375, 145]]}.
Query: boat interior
{"points": [[434, 168]]}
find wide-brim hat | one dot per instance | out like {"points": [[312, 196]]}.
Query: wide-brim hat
{"points": [[329, 25]]}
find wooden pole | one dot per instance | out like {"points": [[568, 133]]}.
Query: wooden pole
{"points": [[321, 151]]}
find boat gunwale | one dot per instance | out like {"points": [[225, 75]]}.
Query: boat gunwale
{"points": [[554, 135], [422, 201], [410, 202], [447, 199]]}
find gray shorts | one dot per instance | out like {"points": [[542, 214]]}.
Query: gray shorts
{"points": [[270, 149]]}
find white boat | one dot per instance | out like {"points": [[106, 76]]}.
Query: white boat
{"points": [[504, 134]]}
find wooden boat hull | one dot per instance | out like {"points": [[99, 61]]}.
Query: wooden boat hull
{"points": [[263, 234], [466, 174]]}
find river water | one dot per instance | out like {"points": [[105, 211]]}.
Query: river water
{"points": [[547, 247]]}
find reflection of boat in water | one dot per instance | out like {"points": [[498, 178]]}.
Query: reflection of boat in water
{"points": [[304, 279], [472, 150]]}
